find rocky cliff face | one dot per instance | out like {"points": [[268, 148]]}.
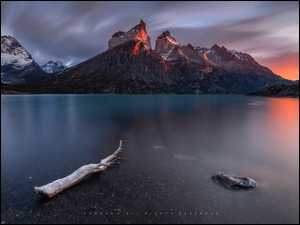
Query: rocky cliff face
{"points": [[165, 43], [137, 33], [17, 65]]}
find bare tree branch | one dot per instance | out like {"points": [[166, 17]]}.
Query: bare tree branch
{"points": [[59, 185]]}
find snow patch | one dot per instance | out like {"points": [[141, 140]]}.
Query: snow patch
{"points": [[166, 55], [19, 60], [170, 39], [239, 55]]}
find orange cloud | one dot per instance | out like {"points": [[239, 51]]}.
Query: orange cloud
{"points": [[286, 65]]}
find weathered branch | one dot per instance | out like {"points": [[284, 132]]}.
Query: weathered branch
{"points": [[59, 185]]}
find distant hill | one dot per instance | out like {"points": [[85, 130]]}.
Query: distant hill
{"points": [[279, 90]]}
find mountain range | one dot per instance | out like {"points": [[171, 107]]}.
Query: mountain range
{"points": [[18, 66], [130, 65]]}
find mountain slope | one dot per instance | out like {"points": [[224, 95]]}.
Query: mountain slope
{"points": [[234, 61], [17, 65]]}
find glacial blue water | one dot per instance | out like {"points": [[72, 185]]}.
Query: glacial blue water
{"points": [[173, 144]]}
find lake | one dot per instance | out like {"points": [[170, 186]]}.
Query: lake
{"points": [[173, 145]]}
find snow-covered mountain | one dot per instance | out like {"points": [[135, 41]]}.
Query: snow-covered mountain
{"points": [[17, 65], [51, 66], [12, 52]]}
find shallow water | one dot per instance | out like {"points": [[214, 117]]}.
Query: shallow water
{"points": [[173, 144]]}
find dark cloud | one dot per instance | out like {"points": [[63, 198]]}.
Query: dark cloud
{"points": [[76, 31]]}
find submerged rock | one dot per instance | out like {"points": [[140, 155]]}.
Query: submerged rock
{"points": [[233, 182]]}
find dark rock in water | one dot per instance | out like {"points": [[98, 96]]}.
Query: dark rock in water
{"points": [[233, 182]]}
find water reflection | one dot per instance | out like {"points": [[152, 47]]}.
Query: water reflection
{"points": [[173, 145]]}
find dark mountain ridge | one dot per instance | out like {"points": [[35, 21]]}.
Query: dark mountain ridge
{"points": [[278, 90]]}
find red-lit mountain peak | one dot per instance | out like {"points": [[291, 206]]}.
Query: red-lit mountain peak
{"points": [[137, 33]]}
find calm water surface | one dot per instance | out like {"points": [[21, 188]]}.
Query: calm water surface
{"points": [[173, 144]]}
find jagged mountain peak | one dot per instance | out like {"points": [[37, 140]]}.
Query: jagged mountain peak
{"points": [[51, 66], [59, 63], [7, 41], [190, 46], [137, 33], [165, 44], [230, 54], [164, 34], [139, 27], [223, 52], [217, 48]]}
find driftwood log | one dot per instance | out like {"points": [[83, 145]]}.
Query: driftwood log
{"points": [[59, 185]]}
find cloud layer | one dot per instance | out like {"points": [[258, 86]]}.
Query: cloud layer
{"points": [[76, 31]]}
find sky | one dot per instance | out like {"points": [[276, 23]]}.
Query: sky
{"points": [[74, 31]]}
